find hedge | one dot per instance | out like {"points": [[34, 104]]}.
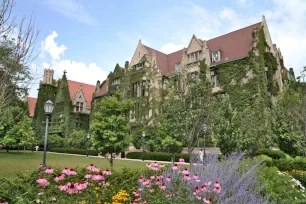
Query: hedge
{"points": [[274, 154], [289, 164], [158, 156], [75, 151]]}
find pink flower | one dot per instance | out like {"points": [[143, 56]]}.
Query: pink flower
{"points": [[198, 180], [41, 193], [207, 200], [217, 190], [162, 186], [65, 171], [151, 190], [159, 177], [82, 185], [199, 197], [182, 161], [135, 193], [203, 188], [88, 175], [185, 171], [195, 176], [3, 202], [53, 199], [207, 183], [168, 179], [93, 168], [107, 172], [97, 177], [147, 183], [72, 188], [40, 166], [152, 177], [59, 177], [140, 180], [186, 177], [196, 190], [42, 182], [216, 184], [175, 167], [62, 187], [71, 172], [49, 171]]}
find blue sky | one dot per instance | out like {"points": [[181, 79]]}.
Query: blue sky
{"points": [[88, 38]]}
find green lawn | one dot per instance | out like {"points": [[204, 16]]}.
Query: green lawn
{"points": [[18, 162]]}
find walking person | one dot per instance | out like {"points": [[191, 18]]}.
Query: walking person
{"points": [[201, 154], [36, 148]]}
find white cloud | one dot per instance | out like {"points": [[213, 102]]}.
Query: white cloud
{"points": [[245, 3], [228, 13], [170, 48], [51, 47], [77, 71], [72, 9]]}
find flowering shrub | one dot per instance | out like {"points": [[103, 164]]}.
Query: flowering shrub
{"points": [[227, 181], [299, 175]]}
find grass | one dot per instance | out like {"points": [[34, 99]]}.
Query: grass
{"points": [[14, 162]]}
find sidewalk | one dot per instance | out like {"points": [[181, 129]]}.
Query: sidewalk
{"points": [[117, 158]]}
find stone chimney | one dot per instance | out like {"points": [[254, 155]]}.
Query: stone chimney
{"points": [[48, 76]]}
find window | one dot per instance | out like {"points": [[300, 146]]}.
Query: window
{"points": [[177, 67], [79, 107], [194, 57], [143, 89], [215, 57], [116, 81], [214, 79], [139, 66]]}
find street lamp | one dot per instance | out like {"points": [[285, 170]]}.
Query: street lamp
{"points": [[32, 143], [143, 136], [88, 136], [48, 107], [204, 129]]}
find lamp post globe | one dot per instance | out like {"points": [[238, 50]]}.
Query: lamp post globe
{"points": [[48, 107], [143, 136]]}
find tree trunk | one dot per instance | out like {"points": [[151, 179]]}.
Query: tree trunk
{"points": [[111, 160], [7, 150], [24, 149]]}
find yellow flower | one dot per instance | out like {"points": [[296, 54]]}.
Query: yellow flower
{"points": [[97, 195], [99, 202], [83, 202]]}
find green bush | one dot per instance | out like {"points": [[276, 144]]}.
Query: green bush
{"points": [[289, 164], [264, 158], [158, 156], [280, 187], [274, 154], [75, 151]]}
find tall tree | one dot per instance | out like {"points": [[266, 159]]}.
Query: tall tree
{"points": [[189, 108], [16, 54], [110, 126]]}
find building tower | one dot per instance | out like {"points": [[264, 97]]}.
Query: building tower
{"points": [[48, 76]]}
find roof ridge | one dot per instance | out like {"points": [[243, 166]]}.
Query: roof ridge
{"points": [[81, 82], [234, 31]]}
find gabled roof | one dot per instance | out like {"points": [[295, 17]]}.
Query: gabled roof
{"points": [[234, 45], [103, 90], [31, 105], [88, 90]]}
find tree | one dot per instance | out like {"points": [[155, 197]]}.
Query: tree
{"points": [[78, 139], [20, 134], [189, 107], [16, 54], [110, 126]]}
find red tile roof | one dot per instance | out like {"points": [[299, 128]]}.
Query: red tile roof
{"points": [[103, 89], [88, 90], [31, 105], [233, 45]]}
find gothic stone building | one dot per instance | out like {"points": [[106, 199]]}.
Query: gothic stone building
{"points": [[72, 102], [145, 78]]}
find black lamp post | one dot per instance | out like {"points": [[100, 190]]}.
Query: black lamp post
{"points": [[48, 107], [204, 129], [88, 136], [143, 140]]}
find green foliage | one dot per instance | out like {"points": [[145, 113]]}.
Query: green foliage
{"points": [[158, 156], [298, 163], [78, 139], [280, 187], [75, 151], [263, 158], [110, 126], [55, 141], [20, 134], [274, 154]]}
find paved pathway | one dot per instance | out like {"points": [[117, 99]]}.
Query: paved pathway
{"points": [[117, 158]]}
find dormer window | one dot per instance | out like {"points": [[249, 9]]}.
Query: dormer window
{"points": [[215, 56], [194, 57], [79, 107], [139, 66]]}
